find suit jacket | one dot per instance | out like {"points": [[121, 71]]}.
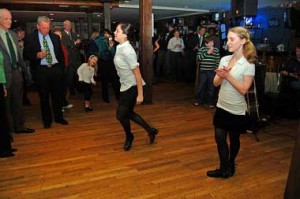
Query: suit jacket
{"points": [[73, 50], [7, 60], [32, 46]]}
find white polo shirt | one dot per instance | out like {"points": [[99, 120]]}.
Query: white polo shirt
{"points": [[229, 98], [125, 61]]}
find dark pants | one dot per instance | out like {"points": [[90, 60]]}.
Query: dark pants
{"points": [[14, 102], [87, 91], [125, 111], [161, 63], [5, 144], [206, 86], [227, 154], [50, 82], [176, 60], [292, 190], [108, 74]]}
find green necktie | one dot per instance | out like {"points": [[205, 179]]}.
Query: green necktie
{"points": [[11, 50], [48, 54]]}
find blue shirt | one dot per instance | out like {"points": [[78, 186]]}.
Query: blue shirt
{"points": [[51, 48]]}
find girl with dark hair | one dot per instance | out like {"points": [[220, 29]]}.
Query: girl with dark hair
{"points": [[131, 85], [235, 75]]}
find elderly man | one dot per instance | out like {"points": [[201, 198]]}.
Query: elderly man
{"points": [[72, 42], [13, 65], [44, 51]]}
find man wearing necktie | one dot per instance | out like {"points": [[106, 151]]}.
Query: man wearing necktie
{"points": [[44, 51], [13, 65]]}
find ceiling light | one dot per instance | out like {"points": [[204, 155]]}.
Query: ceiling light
{"points": [[126, 1]]}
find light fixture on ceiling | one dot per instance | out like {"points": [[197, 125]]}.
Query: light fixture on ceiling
{"points": [[126, 1]]}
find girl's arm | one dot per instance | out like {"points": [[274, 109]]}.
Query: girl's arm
{"points": [[138, 77], [241, 87]]}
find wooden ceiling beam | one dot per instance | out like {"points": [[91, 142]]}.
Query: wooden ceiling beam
{"points": [[96, 3]]}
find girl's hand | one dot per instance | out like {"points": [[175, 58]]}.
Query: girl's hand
{"points": [[139, 99], [223, 72]]}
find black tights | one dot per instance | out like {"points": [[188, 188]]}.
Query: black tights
{"points": [[125, 111], [227, 154]]}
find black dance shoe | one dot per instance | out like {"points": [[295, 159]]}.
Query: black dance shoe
{"points": [[88, 109], [62, 121], [6, 154], [218, 173], [152, 135], [231, 169], [128, 142], [25, 130]]}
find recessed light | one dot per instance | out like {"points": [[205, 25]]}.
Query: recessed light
{"points": [[51, 14]]}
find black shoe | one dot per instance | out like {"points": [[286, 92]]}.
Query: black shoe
{"points": [[88, 109], [47, 125], [62, 121], [6, 154], [128, 142], [25, 130], [218, 173], [13, 150], [152, 135], [231, 169]]}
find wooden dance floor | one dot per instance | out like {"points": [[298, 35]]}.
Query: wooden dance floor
{"points": [[85, 159]]}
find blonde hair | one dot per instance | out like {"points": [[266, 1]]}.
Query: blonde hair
{"points": [[249, 50]]}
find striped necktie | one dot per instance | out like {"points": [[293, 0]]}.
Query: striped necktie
{"points": [[11, 50], [48, 54]]}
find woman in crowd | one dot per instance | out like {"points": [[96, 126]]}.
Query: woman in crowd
{"points": [[235, 75], [131, 84]]}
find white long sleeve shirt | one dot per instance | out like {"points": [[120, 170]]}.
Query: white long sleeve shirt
{"points": [[86, 73]]}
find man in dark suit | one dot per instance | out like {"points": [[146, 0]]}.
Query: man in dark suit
{"points": [[72, 42], [13, 65], [44, 51]]}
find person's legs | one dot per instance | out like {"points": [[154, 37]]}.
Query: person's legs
{"points": [[234, 150], [223, 152], [201, 88], [210, 87], [122, 114]]}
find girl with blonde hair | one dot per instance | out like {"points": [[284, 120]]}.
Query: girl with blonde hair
{"points": [[234, 75]]}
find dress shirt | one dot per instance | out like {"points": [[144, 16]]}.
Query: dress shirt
{"points": [[51, 48]]}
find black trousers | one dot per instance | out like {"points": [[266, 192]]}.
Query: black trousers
{"points": [[5, 144], [125, 111], [87, 91], [50, 82], [108, 74]]}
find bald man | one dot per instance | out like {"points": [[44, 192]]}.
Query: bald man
{"points": [[13, 65], [72, 42]]}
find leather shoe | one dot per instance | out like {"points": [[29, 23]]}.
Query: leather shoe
{"points": [[13, 150], [26, 130], [47, 125], [218, 173], [152, 135], [6, 154], [128, 142], [62, 121], [231, 169]]}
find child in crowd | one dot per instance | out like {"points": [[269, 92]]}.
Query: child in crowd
{"points": [[209, 58], [86, 73]]}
